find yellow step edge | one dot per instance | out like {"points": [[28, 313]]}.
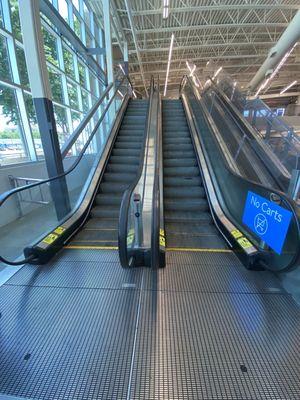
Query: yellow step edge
{"points": [[91, 247], [187, 249]]}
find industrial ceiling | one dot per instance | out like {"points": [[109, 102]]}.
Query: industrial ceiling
{"points": [[234, 34]]}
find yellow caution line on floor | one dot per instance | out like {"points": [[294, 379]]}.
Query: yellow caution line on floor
{"points": [[198, 250], [91, 247]]}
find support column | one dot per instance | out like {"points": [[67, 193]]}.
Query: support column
{"points": [[108, 41], [41, 93], [126, 66], [287, 40]]}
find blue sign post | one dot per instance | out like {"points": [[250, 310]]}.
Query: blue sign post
{"points": [[267, 220]]}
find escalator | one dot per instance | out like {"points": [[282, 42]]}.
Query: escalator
{"points": [[204, 327], [256, 158], [227, 197], [115, 136], [102, 227], [188, 222]]}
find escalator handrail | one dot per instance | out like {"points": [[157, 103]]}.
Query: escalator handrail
{"points": [[246, 128], [269, 159], [287, 201], [157, 206], [6, 195], [125, 203], [72, 139]]}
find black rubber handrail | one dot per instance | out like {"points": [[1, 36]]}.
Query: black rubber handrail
{"points": [[287, 202], [72, 139], [5, 196], [157, 207], [125, 203], [246, 130]]}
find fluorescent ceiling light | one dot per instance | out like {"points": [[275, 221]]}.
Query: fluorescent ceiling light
{"points": [[195, 81], [165, 9], [199, 82], [121, 94], [165, 12], [283, 60], [193, 70], [135, 96], [288, 87], [169, 62], [217, 72], [122, 69]]}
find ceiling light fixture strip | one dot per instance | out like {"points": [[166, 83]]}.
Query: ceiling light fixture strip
{"points": [[165, 9], [169, 63], [288, 87], [276, 70]]}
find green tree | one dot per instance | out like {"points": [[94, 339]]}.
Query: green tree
{"points": [[8, 103]]}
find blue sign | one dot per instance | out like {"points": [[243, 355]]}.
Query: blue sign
{"points": [[267, 220]]}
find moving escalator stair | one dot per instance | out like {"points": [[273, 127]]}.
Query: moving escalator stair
{"points": [[122, 167], [188, 222]]}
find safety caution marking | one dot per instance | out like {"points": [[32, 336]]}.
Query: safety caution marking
{"points": [[53, 236], [236, 233], [162, 239], [130, 237], [59, 230], [241, 239], [244, 243], [50, 238]]}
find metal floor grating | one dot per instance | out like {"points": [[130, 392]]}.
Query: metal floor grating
{"points": [[202, 328], [196, 346]]}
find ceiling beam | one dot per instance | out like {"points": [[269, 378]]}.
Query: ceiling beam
{"points": [[133, 32], [204, 58], [233, 25], [225, 67], [202, 45], [217, 7], [276, 95]]}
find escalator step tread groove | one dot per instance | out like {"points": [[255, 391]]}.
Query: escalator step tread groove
{"points": [[102, 227], [188, 222]]}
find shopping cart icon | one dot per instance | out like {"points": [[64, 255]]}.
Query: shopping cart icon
{"points": [[260, 224]]}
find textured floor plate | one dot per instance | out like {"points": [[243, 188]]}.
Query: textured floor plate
{"points": [[206, 329], [217, 346], [76, 274], [66, 343], [206, 258], [104, 256], [213, 277]]}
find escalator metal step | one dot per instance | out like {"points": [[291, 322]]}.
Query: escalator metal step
{"points": [[112, 187], [180, 171], [126, 152], [118, 177], [183, 162], [188, 216], [189, 181], [124, 160], [121, 168], [186, 204], [105, 212], [121, 144], [108, 199], [184, 192]]}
